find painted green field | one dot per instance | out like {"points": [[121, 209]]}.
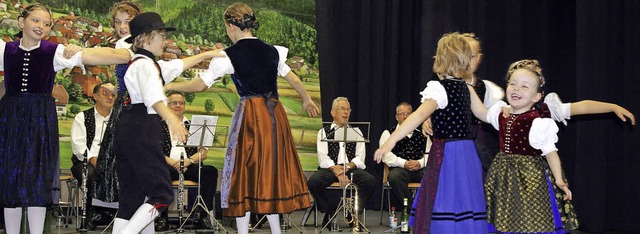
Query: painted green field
{"points": [[303, 128]]}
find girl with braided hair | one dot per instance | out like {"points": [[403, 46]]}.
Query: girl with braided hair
{"points": [[261, 155]]}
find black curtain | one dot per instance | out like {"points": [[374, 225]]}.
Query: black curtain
{"points": [[378, 53]]}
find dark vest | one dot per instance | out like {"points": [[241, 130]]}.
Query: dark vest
{"points": [[481, 91], [410, 148], [29, 71], [166, 144], [90, 127], [514, 131], [453, 121], [256, 67], [334, 147]]}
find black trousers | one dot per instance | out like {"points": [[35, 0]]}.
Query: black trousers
{"points": [[328, 202], [140, 165], [399, 179]]}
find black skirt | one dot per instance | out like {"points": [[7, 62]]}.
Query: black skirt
{"points": [[29, 150]]}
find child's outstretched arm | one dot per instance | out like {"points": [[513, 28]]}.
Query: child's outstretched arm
{"points": [[218, 67], [195, 59], [98, 55], [556, 169], [595, 107], [477, 107], [416, 118], [307, 103]]}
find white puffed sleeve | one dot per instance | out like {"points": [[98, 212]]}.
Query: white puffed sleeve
{"points": [[2, 46], [560, 112], [121, 44], [218, 67], [544, 135], [494, 112], [493, 94], [435, 91], [171, 69], [283, 68], [60, 62]]}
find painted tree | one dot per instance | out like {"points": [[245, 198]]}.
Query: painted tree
{"points": [[189, 97], [209, 106]]}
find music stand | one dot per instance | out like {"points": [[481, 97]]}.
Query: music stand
{"points": [[347, 134], [206, 131]]}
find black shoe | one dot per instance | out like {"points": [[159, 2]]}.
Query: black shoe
{"points": [[162, 224], [204, 222], [94, 220]]}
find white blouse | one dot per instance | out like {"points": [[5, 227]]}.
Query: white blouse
{"points": [[59, 61], [143, 83], [435, 91], [221, 66], [543, 134]]}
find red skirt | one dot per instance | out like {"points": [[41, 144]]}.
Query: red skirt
{"points": [[266, 177]]}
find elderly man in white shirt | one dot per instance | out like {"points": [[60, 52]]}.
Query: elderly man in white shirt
{"points": [[406, 159], [87, 131], [334, 157]]}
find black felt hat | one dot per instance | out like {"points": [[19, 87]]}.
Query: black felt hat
{"points": [[146, 22]]}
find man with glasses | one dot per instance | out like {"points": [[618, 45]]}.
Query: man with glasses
{"points": [[193, 157], [332, 158], [406, 159], [86, 134]]}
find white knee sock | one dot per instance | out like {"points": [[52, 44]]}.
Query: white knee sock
{"points": [[150, 229], [144, 216], [12, 219], [242, 224], [274, 223], [118, 225], [36, 219]]}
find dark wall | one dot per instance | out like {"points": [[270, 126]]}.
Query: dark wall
{"points": [[379, 53]]}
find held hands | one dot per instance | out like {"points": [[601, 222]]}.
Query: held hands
{"points": [[214, 53], [383, 150], [71, 50], [311, 108], [565, 189]]}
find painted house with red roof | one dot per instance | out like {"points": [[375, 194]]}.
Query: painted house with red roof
{"points": [[61, 98]]}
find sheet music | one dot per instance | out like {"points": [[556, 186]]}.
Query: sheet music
{"points": [[196, 128], [353, 134]]}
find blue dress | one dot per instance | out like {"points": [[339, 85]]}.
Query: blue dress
{"points": [[451, 197], [29, 147]]}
